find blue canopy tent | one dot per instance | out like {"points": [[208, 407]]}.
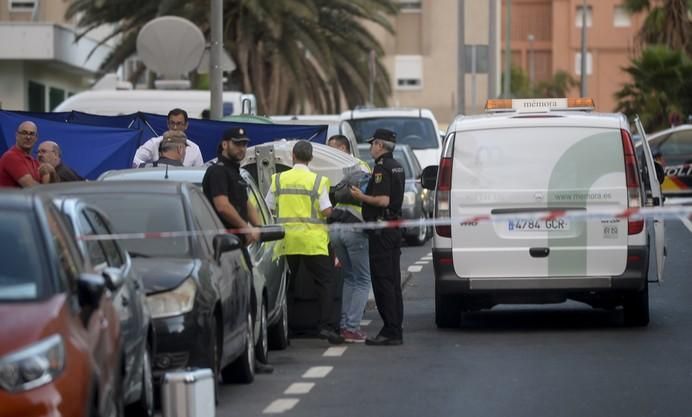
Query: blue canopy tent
{"points": [[93, 144]]}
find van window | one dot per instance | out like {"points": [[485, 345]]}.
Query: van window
{"points": [[536, 158], [417, 132]]}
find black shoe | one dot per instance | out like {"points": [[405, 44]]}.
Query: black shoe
{"points": [[332, 337], [380, 340], [263, 368]]}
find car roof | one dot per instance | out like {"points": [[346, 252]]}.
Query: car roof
{"points": [[553, 118], [154, 174], [139, 187], [668, 131], [16, 199], [372, 112]]}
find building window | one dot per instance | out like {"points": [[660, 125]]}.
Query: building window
{"points": [[577, 63], [410, 5], [621, 17], [409, 72], [580, 15], [55, 97], [476, 59], [22, 5], [37, 97]]}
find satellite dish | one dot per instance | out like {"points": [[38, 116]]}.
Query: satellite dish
{"points": [[170, 46]]}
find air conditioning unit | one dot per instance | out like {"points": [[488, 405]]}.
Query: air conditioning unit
{"points": [[22, 5]]}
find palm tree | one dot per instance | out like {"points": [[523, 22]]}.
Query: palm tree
{"points": [[290, 53], [667, 23]]}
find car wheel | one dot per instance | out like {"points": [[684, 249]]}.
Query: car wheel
{"points": [[447, 311], [421, 237], [243, 368], [144, 406], [636, 308], [278, 334], [262, 346]]}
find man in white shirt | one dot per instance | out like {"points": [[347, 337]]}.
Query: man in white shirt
{"points": [[149, 151]]}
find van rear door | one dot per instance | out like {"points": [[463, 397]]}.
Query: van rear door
{"points": [[538, 170]]}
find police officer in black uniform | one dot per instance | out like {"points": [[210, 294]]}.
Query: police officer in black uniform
{"points": [[227, 192], [382, 201]]}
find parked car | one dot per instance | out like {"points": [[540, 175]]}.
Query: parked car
{"points": [[414, 127], [334, 126], [417, 203], [106, 256], [673, 147], [269, 272], [198, 286], [60, 340]]}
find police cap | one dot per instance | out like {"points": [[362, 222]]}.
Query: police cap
{"points": [[235, 134], [383, 134]]}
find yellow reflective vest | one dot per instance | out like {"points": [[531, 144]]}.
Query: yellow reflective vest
{"points": [[296, 193]]}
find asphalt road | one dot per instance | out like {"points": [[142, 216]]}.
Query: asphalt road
{"points": [[553, 361]]}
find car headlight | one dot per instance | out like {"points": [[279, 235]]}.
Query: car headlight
{"points": [[33, 366], [409, 199], [174, 302]]}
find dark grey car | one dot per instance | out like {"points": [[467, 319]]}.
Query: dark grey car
{"points": [[417, 204], [109, 258]]}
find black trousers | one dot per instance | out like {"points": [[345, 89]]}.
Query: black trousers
{"points": [[319, 269], [385, 259]]}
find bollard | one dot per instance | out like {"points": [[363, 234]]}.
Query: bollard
{"points": [[188, 393]]}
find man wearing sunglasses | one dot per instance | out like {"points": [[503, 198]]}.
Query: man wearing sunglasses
{"points": [[149, 151], [18, 168]]}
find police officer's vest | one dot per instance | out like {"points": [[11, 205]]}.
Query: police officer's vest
{"points": [[356, 209], [297, 194]]}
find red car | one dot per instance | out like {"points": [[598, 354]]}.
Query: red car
{"points": [[60, 347]]}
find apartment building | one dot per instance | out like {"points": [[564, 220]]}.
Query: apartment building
{"points": [[40, 62], [423, 55], [546, 37]]}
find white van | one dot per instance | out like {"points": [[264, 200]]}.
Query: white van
{"points": [[115, 102], [416, 128], [508, 181]]}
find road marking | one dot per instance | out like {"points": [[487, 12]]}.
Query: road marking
{"points": [[686, 222], [429, 254], [335, 351], [422, 262], [280, 406], [427, 258], [299, 388], [318, 372], [415, 268], [365, 322]]}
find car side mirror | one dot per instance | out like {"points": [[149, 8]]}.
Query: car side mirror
{"points": [[429, 177], [225, 243], [90, 289], [271, 233], [114, 278]]}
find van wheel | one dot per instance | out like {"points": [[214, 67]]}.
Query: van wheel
{"points": [[636, 308], [447, 311]]}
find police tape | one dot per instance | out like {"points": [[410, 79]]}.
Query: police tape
{"points": [[521, 215]]}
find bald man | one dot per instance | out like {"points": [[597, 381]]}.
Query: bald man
{"points": [[18, 169], [49, 153]]}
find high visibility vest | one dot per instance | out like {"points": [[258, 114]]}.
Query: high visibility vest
{"points": [[297, 193], [356, 209]]}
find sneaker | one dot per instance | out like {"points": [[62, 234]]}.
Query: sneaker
{"points": [[353, 336], [332, 337]]}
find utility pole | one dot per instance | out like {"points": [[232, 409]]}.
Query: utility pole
{"points": [[508, 52], [532, 62], [215, 73], [583, 49], [492, 50], [372, 73]]}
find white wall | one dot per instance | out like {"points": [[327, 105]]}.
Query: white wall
{"points": [[12, 85]]}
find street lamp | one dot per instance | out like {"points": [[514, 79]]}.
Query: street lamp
{"points": [[532, 62], [583, 49]]}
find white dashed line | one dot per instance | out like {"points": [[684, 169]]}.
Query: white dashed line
{"points": [[429, 254], [365, 322], [335, 351], [686, 222], [299, 388], [318, 372], [280, 406], [415, 268], [422, 262], [427, 258]]}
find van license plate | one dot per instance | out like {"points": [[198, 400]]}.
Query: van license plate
{"points": [[552, 225]]}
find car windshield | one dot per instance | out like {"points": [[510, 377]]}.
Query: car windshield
{"points": [[417, 132], [398, 155], [150, 213], [21, 258]]}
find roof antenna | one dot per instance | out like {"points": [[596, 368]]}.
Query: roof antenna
{"points": [[166, 174]]}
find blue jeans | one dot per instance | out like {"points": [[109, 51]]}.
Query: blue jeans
{"points": [[351, 247]]}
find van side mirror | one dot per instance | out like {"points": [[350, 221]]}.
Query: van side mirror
{"points": [[114, 278], [271, 233], [225, 243], [428, 178], [90, 289]]}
